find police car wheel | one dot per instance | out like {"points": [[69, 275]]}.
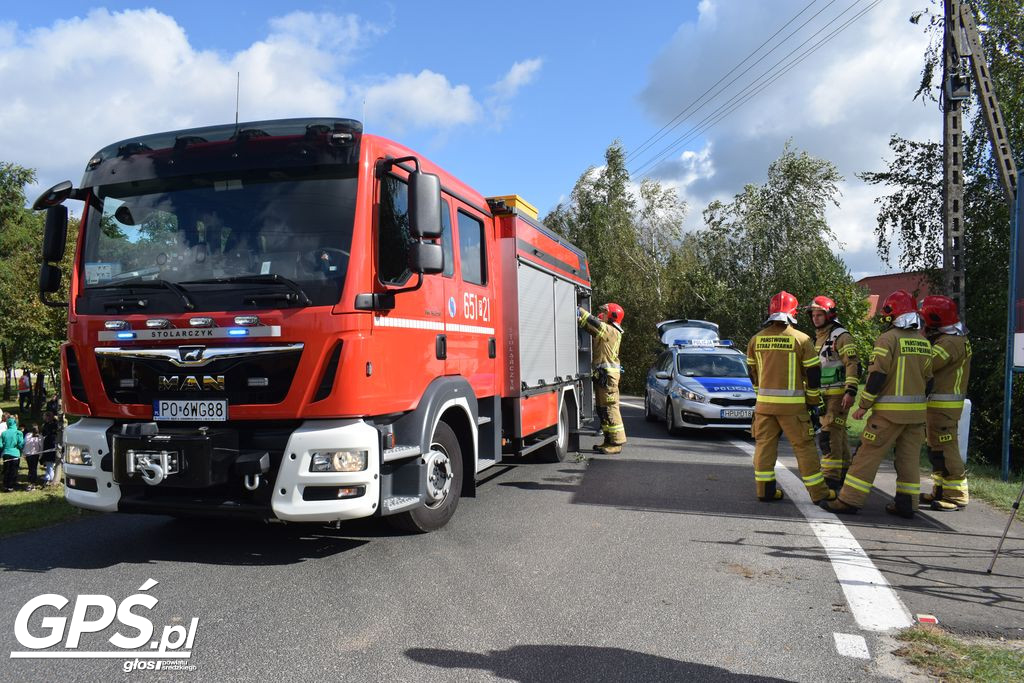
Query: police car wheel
{"points": [[670, 419], [447, 465], [648, 413]]}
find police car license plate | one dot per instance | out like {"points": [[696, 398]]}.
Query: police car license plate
{"points": [[736, 413], [190, 411]]}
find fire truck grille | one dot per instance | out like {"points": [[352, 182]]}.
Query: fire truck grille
{"points": [[258, 379]]}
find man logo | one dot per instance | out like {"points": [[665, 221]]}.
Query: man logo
{"points": [[190, 383]]}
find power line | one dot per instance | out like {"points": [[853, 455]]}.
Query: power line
{"points": [[658, 136], [754, 88], [752, 85]]}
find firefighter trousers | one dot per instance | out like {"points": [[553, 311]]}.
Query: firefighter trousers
{"points": [[606, 392], [880, 435], [835, 447], [800, 434], [949, 475]]}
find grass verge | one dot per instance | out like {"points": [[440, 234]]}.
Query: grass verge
{"points": [[953, 659], [23, 510]]}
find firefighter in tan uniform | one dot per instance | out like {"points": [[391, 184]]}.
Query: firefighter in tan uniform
{"points": [[951, 363], [786, 374], [606, 329], [840, 373], [899, 381]]}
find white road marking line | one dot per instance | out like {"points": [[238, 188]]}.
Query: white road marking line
{"points": [[850, 645], [631, 405], [873, 602]]}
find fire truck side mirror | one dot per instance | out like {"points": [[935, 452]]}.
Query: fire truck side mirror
{"points": [[425, 205], [49, 278], [56, 233], [426, 258]]}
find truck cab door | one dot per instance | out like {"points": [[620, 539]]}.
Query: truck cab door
{"points": [[470, 306], [409, 339]]}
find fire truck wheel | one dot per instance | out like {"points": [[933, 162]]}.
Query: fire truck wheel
{"points": [[559, 449], [444, 485]]}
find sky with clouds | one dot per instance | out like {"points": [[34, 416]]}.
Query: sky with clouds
{"points": [[512, 99]]}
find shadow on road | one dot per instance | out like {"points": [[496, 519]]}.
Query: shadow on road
{"points": [[531, 663], [109, 540], [725, 489]]}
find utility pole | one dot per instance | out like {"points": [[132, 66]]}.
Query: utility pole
{"points": [[962, 48], [954, 91]]}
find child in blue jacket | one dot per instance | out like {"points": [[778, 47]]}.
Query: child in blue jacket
{"points": [[11, 443]]}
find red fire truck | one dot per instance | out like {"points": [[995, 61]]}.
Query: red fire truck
{"points": [[293, 320]]}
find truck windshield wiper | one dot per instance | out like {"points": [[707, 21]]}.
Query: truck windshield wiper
{"points": [[266, 278], [139, 282]]}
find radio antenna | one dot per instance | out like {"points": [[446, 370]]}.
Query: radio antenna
{"points": [[238, 87]]}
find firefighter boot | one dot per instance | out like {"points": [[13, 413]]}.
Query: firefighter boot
{"points": [[609, 449], [771, 493], [837, 506], [943, 505], [832, 495], [902, 506], [938, 460]]}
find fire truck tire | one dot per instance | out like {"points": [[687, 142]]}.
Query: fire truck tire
{"points": [[444, 462], [558, 450]]}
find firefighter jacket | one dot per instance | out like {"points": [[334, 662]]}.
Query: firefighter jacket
{"points": [[607, 338], [784, 369], [951, 363], [904, 359], [840, 371]]}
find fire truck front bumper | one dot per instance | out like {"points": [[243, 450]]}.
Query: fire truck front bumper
{"points": [[320, 471]]}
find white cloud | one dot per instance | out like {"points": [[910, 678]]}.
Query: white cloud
{"points": [[520, 74], [841, 103], [426, 100], [79, 84]]}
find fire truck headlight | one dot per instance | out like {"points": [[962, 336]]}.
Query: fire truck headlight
{"points": [[77, 455], [338, 461]]}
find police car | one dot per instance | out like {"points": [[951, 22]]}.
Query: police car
{"points": [[700, 384]]}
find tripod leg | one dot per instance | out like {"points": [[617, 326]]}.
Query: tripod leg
{"points": [[1016, 506]]}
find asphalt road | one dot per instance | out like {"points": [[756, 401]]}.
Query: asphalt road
{"points": [[658, 564]]}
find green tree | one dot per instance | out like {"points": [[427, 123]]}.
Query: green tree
{"points": [[631, 236], [911, 213], [30, 333], [772, 237]]}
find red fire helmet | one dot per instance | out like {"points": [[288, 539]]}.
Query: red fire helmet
{"points": [[939, 311], [611, 312], [823, 303], [899, 303], [783, 302]]}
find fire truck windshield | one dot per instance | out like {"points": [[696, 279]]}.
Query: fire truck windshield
{"points": [[214, 236]]}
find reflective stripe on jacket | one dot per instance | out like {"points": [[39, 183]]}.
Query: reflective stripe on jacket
{"points": [[778, 357], [906, 359], [951, 363]]}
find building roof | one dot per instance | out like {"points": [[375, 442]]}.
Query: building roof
{"points": [[881, 286]]}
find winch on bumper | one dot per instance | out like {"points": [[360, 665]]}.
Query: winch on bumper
{"points": [[204, 472]]}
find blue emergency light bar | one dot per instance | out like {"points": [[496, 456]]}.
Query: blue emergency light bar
{"points": [[703, 342], [126, 335], [238, 332]]}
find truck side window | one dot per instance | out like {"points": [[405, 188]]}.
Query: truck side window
{"points": [[472, 255], [446, 239], [393, 237]]}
